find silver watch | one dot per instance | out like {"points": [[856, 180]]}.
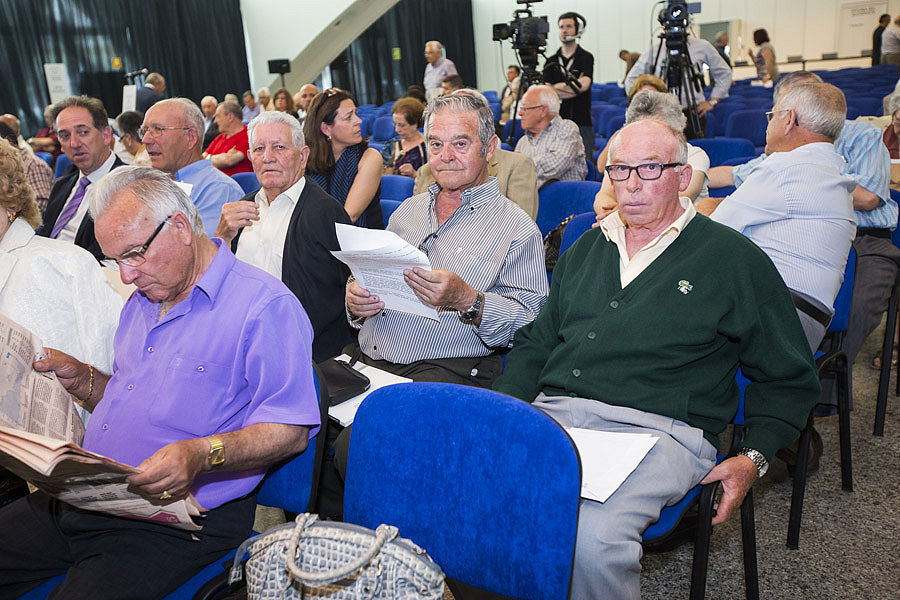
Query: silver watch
{"points": [[762, 465], [471, 313]]}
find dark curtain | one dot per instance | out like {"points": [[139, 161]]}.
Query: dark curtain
{"points": [[369, 69], [197, 46]]}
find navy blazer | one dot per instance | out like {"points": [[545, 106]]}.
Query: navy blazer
{"points": [[145, 98], [309, 269], [59, 194]]}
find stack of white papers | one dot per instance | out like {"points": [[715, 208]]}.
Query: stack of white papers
{"points": [[377, 259], [608, 458], [344, 412]]}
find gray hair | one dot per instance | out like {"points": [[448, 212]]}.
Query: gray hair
{"points": [[820, 107], [232, 108], [213, 98], [681, 156], [272, 117], [263, 89], [893, 104], [650, 104], [548, 97], [463, 103], [789, 80], [191, 114], [439, 45], [231, 98], [152, 187]]}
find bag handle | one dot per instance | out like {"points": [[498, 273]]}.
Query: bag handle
{"points": [[383, 534]]}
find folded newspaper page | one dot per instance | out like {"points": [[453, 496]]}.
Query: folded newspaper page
{"points": [[40, 433], [32, 401], [377, 259]]}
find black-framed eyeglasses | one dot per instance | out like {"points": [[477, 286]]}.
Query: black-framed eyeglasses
{"points": [[135, 258], [647, 171], [156, 130]]}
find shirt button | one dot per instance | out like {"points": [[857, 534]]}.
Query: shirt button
{"points": [[576, 372], [591, 335], [384, 314], [614, 304], [130, 386], [473, 373], [201, 368], [149, 348], [105, 426], [374, 347]]}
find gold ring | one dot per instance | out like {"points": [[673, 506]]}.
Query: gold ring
{"points": [[165, 495]]}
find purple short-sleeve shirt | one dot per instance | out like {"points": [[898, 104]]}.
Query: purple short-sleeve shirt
{"points": [[236, 352]]}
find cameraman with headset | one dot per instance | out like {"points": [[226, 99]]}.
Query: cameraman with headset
{"points": [[571, 69]]}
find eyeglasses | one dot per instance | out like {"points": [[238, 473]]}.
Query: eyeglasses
{"points": [[156, 130], [771, 113], [647, 171], [527, 108], [135, 258]]}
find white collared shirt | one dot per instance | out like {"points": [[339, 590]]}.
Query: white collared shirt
{"points": [[68, 232], [629, 268], [262, 243]]}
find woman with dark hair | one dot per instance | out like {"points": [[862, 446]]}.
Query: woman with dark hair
{"points": [[285, 103], [764, 60], [340, 160], [404, 153]]}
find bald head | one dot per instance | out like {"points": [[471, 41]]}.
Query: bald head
{"points": [[12, 121], [303, 98]]}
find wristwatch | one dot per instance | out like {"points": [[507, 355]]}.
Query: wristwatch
{"points": [[714, 101], [216, 451], [762, 465], [471, 313]]}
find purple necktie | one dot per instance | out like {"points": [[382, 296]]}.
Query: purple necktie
{"points": [[71, 208]]}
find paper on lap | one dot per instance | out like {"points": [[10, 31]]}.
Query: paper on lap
{"points": [[608, 458], [377, 259]]}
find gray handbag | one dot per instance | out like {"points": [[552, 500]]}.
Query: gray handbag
{"points": [[310, 558]]}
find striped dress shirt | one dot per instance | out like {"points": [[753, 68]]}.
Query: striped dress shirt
{"points": [[557, 151], [495, 247]]}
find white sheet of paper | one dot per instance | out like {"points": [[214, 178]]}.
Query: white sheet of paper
{"points": [[608, 458], [344, 412], [377, 259]]}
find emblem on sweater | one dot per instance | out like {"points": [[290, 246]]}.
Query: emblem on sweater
{"points": [[684, 286]]}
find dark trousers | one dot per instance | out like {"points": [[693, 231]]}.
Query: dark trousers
{"points": [[476, 372], [109, 557]]}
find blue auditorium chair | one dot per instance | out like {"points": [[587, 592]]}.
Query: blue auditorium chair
{"points": [[247, 181], [559, 199], [396, 187]]}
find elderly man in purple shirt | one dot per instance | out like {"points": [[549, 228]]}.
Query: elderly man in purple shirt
{"points": [[212, 383]]}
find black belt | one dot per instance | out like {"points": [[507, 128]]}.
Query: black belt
{"points": [[811, 310], [874, 232]]}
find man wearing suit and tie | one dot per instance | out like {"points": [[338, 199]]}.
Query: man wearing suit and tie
{"points": [[85, 136], [287, 229]]}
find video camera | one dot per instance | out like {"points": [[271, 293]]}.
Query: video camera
{"points": [[528, 34], [680, 74]]}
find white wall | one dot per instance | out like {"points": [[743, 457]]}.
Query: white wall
{"points": [[797, 27], [311, 33]]}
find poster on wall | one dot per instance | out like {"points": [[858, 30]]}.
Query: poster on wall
{"points": [[857, 22], [57, 81]]}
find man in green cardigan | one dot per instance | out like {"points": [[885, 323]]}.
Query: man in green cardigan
{"points": [[648, 319]]}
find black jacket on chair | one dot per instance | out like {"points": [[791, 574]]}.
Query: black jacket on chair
{"points": [[309, 269], [59, 195]]}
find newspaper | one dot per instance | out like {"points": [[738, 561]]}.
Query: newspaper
{"points": [[377, 259], [40, 433], [32, 401]]}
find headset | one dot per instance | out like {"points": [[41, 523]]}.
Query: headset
{"points": [[580, 24]]}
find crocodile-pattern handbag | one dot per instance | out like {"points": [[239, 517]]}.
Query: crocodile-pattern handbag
{"points": [[310, 558]]}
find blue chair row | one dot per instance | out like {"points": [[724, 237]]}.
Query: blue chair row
{"points": [[559, 199], [45, 156], [62, 164], [396, 187], [247, 181]]}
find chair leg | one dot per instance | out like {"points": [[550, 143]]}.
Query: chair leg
{"points": [[748, 540], [887, 352], [701, 541], [799, 490], [843, 398]]}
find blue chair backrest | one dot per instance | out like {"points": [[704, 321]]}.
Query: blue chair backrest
{"points": [[575, 228], [491, 96], [457, 470], [383, 129], [376, 145], [508, 127], [895, 235], [505, 146], [738, 160], [559, 199], [613, 125], [388, 207], [592, 173], [62, 163], [721, 149], [45, 156], [845, 293], [247, 181], [396, 187], [496, 109], [750, 124]]}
